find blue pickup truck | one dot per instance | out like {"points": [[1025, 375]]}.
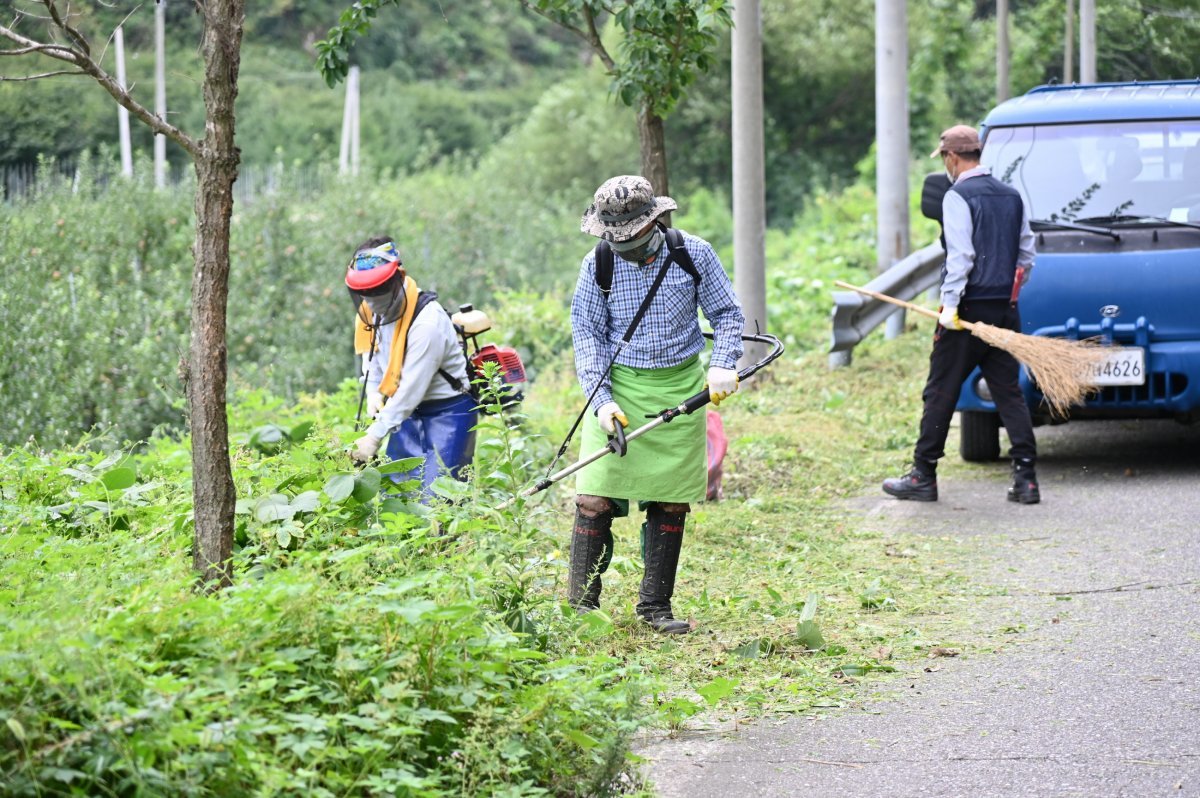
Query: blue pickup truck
{"points": [[1110, 174]]}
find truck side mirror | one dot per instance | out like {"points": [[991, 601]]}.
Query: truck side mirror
{"points": [[936, 186]]}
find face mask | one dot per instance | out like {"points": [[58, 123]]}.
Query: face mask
{"points": [[381, 305], [949, 172], [385, 305], [640, 249]]}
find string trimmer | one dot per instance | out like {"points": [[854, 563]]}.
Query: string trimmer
{"points": [[618, 443]]}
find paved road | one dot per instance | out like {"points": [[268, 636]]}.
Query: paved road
{"points": [[1100, 696]]}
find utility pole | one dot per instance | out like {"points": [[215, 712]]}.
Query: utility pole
{"points": [[160, 90], [355, 136], [122, 111], [1087, 41], [348, 149], [891, 140], [749, 194], [1003, 87], [1069, 45]]}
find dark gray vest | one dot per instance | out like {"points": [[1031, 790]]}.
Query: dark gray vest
{"points": [[996, 213]]}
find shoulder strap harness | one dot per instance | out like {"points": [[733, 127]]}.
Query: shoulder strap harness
{"points": [[675, 247], [423, 299]]}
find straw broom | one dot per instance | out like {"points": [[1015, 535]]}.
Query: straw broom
{"points": [[1063, 369]]}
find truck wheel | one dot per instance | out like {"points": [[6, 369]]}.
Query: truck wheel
{"points": [[979, 436]]}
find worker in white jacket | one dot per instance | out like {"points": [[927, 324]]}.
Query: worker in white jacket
{"points": [[415, 370]]}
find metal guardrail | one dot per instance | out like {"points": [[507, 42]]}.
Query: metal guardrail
{"points": [[854, 315]]}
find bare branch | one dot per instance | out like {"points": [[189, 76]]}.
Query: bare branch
{"points": [[74, 35], [30, 15], [5, 79], [143, 113], [60, 51], [113, 35], [593, 38], [87, 66]]}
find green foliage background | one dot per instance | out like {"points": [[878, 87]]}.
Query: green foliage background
{"points": [[447, 80], [95, 273]]}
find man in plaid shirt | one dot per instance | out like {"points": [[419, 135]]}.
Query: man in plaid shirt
{"points": [[660, 366]]}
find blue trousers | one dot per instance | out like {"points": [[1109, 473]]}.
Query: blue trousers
{"points": [[440, 431]]}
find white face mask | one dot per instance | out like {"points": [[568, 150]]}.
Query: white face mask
{"points": [[380, 305], [950, 172]]}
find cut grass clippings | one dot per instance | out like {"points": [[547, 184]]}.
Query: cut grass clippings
{"points": [[785, 543]]}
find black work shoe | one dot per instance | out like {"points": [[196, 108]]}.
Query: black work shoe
{"points": [[664, 622], [914, 485], [1025, 487]]}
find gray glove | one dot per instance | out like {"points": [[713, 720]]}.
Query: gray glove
{"points": [[365, 449]]}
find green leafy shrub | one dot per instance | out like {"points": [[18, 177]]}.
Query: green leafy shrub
{"points": [[96, 307], [370, 645], [571, 141]]}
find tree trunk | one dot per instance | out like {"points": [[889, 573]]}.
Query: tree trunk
{"points": [[216, 170], [654, 154]]}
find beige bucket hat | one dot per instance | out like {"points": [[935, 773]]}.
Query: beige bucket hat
{"points": [[622, 206]]}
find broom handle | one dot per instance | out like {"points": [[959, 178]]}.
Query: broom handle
{"points": [[909, 305]]}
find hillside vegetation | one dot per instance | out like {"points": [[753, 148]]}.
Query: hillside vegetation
{"points": [[446, 79], [97, 278]]}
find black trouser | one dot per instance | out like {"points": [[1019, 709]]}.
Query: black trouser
{"points": [[955, 353]]}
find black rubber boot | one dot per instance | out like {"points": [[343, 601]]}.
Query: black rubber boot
{"points": [[591, 552], [662, 538], [919, 485], [1025, 485]]}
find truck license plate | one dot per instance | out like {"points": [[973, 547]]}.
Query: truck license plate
{"points": [[1121, 366]]}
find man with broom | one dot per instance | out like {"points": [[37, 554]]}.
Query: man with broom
{"points": [[637, 345], [989, 256]]}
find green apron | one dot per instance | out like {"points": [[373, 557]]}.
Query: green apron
{"points": [[670, 462]]}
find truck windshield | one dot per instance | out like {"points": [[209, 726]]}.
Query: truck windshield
{"points": [[1130, 170]]}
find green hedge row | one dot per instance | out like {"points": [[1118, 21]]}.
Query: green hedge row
{"points": [[95, 278]]}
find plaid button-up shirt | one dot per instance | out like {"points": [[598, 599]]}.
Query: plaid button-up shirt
{"points": [[669, 333]]}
